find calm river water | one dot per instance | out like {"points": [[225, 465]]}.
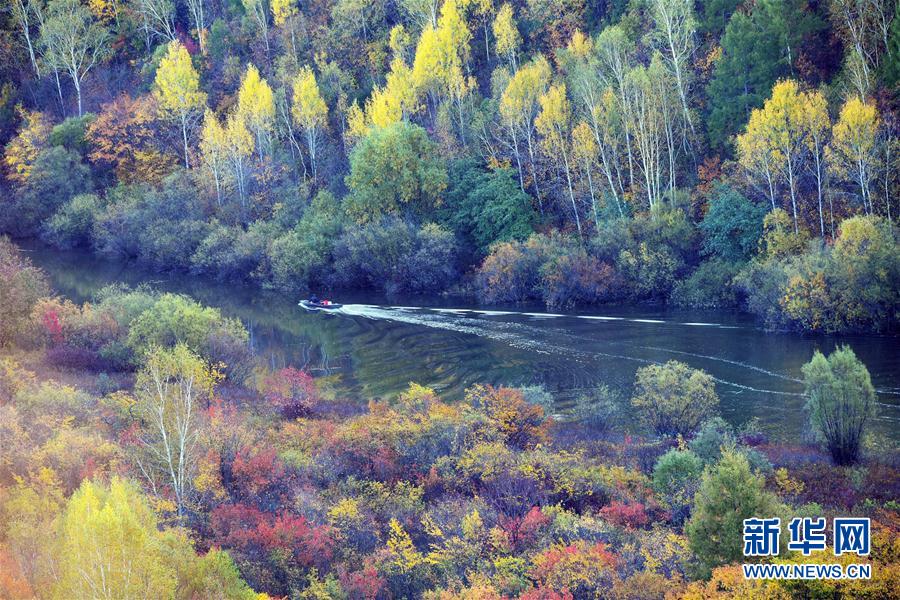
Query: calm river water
{"points": [[374, 348]]}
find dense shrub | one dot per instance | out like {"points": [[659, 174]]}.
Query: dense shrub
{"points": [[732, 226], [21, 286], [173, 319], [302, 256], [395, 170], [486, 207], [676, 478], [56, 176], [650, 253], [850, 286], [396, 256], [73, 223], [840, 401], [555, 269], [714, 435], [291, 391], [729, 493], [161, 227], [230, 253], [709, 286], [598, 409], [673, 399]]}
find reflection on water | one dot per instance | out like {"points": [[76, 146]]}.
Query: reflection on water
{"points": [[373, 348]]}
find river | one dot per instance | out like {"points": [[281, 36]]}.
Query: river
{"points": [[374, 347]]}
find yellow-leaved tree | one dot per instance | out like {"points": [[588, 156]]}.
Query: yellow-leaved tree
{"points": [[214, 150], [110, 546], [177, 88], [309, 111], [507, 36], [238, 148], [442, 52], [553, 124], [853, 150], [777, 137], [23, 150], [256, 106], [283, 14], [519, 105]]}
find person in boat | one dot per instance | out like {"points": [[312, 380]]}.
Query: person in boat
{"points": [[314, 299]]}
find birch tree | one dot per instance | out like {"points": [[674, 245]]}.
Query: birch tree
{"points": [[819, 128], [239, 148], [519, 106], [284, 12], [553, 123], [214, 150], [309, 111], [23, 12], [853, 149], [158, 18], [675, 29], [196, 8], [170, 390], [644, 113], [780, 130], [73, 42], [259, 11], [256, 105], [177, 87], [507, 36]]}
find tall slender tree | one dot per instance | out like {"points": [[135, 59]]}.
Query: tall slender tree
{"points": [[73, 41], [177, 88], [310, 112]]}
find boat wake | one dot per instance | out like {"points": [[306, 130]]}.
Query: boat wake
{"points": [[534, 339]]}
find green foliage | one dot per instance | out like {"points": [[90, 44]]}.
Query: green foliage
{"points": [[73, 223], [486, 207], [70, 134], [732, 226], [676, 478], [232, 253], [599, 409], [214, 575], [715, 15], [841, 401], [729, 493], [713, 437], [757, 49], [174, 319], [709, 286], [649, 252], [162, 227], [395, 170], [395, 256], [300, 258], [21, 286], [56, 176], [673, 399], [850, 286]]}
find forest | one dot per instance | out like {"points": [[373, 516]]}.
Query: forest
{"points": [[724, 153], [733, 154]]}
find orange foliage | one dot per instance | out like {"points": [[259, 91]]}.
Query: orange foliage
{"points": [[122, 137]]}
